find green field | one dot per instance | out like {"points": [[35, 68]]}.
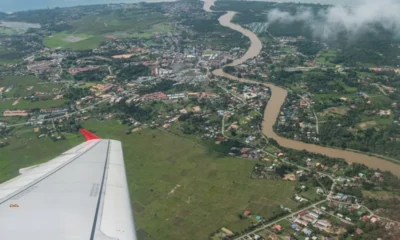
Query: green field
{"points": [[329, 96], [212, 190], [159, 28], [25, 86], [86, 41], [26, 104], [27, 150], [9, 55], [22, 86], [114, 22], [326, 58], [89, 31]]}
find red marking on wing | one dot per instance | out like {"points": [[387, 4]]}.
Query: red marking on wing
{"points": [[88, 135]]}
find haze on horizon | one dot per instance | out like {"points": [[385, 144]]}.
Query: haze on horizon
{"points": [[22, 5]]}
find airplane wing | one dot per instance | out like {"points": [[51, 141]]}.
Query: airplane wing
{"points": [[81, 194]]}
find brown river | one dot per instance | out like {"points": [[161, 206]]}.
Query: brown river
{"points": [[278, 96]]}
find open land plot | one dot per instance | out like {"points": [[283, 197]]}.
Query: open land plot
{"points": [[326, 58], [18, 80], [26, 85], [88, 32], [381, 101], [28, 150], [88, 84], [9, 55], [159, 28], [26, 104], [334, 111], [329, 96], [375, 121], [367, 124], [76, 41], [379, 194], [212, 190], [346, 87], [114, 22]]}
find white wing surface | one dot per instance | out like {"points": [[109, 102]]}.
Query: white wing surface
{"points": [[81, 194]]}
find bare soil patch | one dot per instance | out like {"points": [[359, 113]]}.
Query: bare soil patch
{"points": [[367, 124], [334, 110], [290, 177]]}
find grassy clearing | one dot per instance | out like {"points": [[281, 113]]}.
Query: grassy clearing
{"points": [[378, 194], [26, 85], [27, 150], [374, 121], [9, 61], [26, 104], [326, 58], [381, 101], [88, 84], [82, 41], [9, 55], [368, 124], [88, 32], [346, 87], [212, 189], [329, 96], [100, 25], [159, 28], [18, 80], [334, 111]]}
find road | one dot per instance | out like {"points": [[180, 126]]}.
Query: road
{"points": [[315, 115], [70, 114], [281, 219]]}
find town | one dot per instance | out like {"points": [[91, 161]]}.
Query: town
{"points": [[157, 79]]}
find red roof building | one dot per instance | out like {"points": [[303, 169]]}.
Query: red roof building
{"points": [[277, 227], [155, 96], [302, 213], [365, 218]]}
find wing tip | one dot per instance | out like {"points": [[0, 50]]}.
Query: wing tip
{"points": [[88, 135]]}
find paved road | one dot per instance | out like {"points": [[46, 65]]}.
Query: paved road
{"points": [[281, 219], [73, 113]]}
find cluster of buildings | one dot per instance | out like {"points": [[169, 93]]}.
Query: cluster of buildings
{"points": [[16, 113], [297, 112], [75, 70], [313, 218]]}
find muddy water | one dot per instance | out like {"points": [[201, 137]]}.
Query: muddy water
{"points": [[278, 96]]}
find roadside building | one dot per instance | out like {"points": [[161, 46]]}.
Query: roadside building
{"points": [[277, 227], [307, 231], [155, 96], [16, 113], [226, 231]]}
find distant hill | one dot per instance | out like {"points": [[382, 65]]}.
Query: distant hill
{"points": [[23, 5], [3, 15]]}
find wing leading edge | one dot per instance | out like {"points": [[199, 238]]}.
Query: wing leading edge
{"points": [[82, 194]]}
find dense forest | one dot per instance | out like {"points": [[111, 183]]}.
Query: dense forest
{"points": [[132, 72]]}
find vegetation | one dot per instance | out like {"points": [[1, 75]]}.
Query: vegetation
{"points": [[199, 178], [132, 72]]}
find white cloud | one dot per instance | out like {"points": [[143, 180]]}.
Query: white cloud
{"points": [[327, 23]]}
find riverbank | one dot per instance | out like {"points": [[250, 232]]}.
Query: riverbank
{"points": [[278, 96]]}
